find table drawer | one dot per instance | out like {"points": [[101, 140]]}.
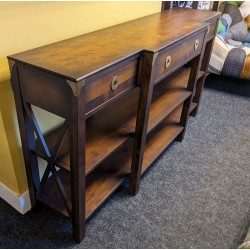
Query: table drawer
{"points": [[176, 55], [110, 83], [211, 28]]}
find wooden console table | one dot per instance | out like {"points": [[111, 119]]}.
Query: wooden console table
{"points": [[125, 93]]}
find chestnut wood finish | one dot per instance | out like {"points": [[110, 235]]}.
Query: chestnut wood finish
{"points": [[125, 94], [27, 137], [212, 18], [113, 125], [113, 171], [212, 29], [178, 54], [146, 81], [82, 57]]}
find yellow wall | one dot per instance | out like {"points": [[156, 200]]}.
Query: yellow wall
{"points": [[6, 162], [26, 25]]}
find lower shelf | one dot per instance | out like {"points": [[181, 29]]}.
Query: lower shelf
{"points": [[105, 179], [100, 184], [193, 105], [158, 141], [201, 74]]}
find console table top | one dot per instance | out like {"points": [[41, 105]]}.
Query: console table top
{"points": [[79, 57]]}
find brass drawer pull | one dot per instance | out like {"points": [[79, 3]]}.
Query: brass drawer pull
{"points": [[196, 44], [208, 29], [167, 62], [115, 82]]}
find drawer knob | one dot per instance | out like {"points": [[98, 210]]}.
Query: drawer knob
{"points": [[167, 62], [115, 82], [196, 44], [208, 29]]}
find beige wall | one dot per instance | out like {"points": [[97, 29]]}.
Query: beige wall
{"points": [[26, 25]]}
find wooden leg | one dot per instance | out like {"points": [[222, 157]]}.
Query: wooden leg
{"points": [[195, 66], [200, 84], [194, 112], [77, 165], [198, 94], [184, 118], [27, 137], [147, 72]]}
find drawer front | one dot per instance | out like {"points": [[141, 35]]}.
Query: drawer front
{"points": [[45, 90], [178, 54], [110, 83], [211, 29]]}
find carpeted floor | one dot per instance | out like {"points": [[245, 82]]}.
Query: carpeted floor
{"points": [[197, 195]]}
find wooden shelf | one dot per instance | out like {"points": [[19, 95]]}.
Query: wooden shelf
{"points": [[167, 96], [161, 137], [100, 184], [104, 180], [105, 132], [111, 127], [201, 74], [192, 107]]}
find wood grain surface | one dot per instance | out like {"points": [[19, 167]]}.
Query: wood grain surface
{"points": [[79, 57]]}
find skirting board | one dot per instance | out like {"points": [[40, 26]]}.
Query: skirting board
{"points": [[20, 202]]}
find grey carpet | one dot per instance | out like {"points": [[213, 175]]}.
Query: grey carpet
{"points": [[197, 195]]}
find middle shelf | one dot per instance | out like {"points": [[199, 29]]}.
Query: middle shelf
{"points": [[111, 127], [104, 180]]}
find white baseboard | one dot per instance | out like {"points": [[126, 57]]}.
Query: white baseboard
{"points": [[20, 202]]}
